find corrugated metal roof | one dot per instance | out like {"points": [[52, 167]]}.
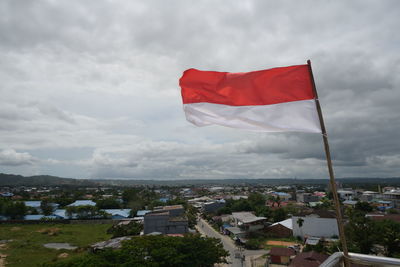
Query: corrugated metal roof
{"points": [[288, 223], [82, 203], [33, 204], [121, 212]]}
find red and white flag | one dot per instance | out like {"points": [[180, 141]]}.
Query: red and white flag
{"points": [[273, 100]]}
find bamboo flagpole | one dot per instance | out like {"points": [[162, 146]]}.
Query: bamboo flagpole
{"points": [[331, 174]]}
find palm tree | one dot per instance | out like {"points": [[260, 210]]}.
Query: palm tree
{"points": [[300, 222]]}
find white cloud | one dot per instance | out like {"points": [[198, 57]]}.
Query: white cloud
{"points": [[9, 157]]}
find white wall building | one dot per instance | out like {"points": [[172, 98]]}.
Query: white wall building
{"points": [[314, 225]]}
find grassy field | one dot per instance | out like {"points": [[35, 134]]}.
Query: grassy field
{"points": [[26, 245]]}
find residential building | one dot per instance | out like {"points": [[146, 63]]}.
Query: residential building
{"points": [[141, 213], [380, 217], [306, 197], [166, 220], [350, 203], [211, 207], [118, 214], [346, 194], [280, 256], [247, 221], [38, 217], [281, 229], [33, 204], [282, 195], [391, 195], [82, 203], [367, 196], [315, 224], [308, 259]]}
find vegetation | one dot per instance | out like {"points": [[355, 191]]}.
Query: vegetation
{"points": [[363, 234], [14, 210], [191, 213], [133, 228], [108, 203], [25, 246], [329, 248], [254, 243], [155, 251], [46, 207], [85, 212]]}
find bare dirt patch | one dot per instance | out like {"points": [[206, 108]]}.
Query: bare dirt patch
{"points": [[3, 256], [280, 243], [50, 231], [3, 260], [15, 228], [63, 255]]}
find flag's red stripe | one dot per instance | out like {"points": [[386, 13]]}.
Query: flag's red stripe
{"points": [[262, 87]]}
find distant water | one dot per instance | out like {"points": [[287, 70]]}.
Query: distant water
{"points": [[60, 246]]}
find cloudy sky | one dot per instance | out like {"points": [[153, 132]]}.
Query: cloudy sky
{"points": [[89, 89]]}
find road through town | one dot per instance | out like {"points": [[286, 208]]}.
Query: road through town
{"points": [[204, 228]]}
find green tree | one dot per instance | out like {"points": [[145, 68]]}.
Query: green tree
{"points": [[14, 210], [361, 233], [191, 213], [85, 212], [389, 236], [133, 228], [130, 194], [256, 199], [155, 251], [46, 207], [108, 203], [263, 211], [364, 207], [254, 243], [279, 215], [300, 222], [224, 210], [241, 205]]}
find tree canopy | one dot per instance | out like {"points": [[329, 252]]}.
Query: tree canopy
{"points": [[155, 251]]}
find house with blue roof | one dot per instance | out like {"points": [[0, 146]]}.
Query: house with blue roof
{"points": [[117, 214], [141, 213], [36, 204], [164, 199], [282, 195], [39, 217], [82, 203], [6, 194], [33, 204], [61, 213]]}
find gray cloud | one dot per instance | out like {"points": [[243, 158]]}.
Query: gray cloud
{"points": [[102, 77], [9, 157]]}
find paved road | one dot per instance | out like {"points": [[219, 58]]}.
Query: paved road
{"points": [[204, 228]]}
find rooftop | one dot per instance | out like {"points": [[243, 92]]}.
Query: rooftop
{"points": [[246, 217], [174, 207], [308, 259], [82, 203], [317, 213], [234, 230], [288, 223], [277, 251]]}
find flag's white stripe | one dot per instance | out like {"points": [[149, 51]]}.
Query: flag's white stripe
{"points": [[296, 116]]}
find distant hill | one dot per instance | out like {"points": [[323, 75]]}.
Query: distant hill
{"points": [[42, 180]]}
